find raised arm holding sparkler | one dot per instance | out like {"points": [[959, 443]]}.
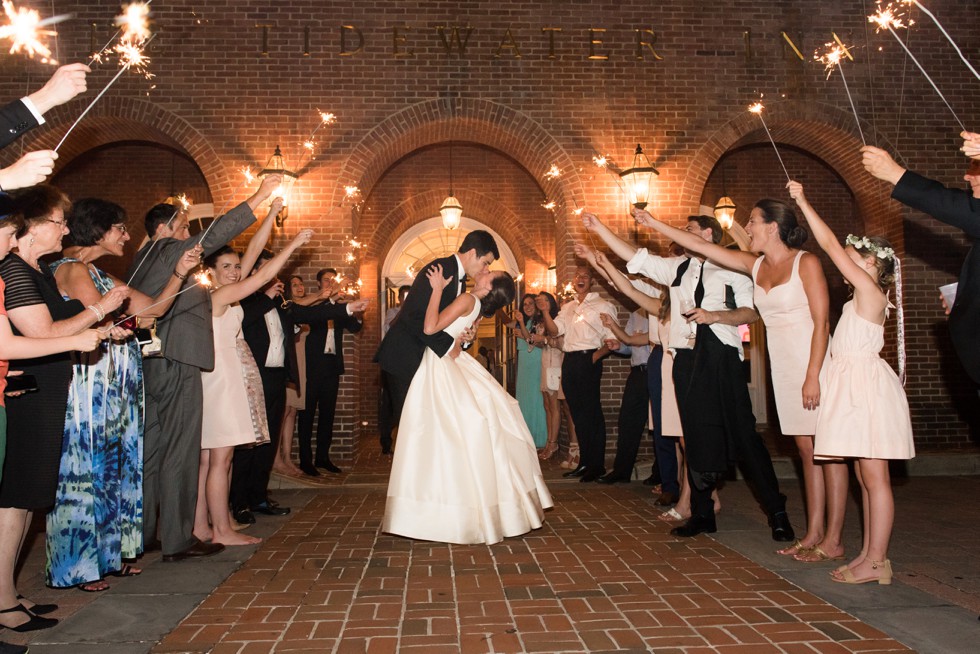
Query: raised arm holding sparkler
{"points": [[261, 238], [225, 294]]}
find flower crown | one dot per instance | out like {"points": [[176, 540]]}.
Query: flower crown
{"points": [[863, 243]]}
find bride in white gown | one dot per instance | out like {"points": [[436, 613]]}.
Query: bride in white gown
{"points": [[465, 469]]}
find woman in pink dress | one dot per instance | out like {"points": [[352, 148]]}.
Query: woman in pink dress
{"points": [[865, 413], [791, 296]]}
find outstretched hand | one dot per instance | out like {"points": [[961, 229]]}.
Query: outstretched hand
{"points": [[971, 144], [590, 221], [33, 168], [796, 192], [303, 237], [583, 251], [190, 260], [880, 164], [67, 82], [643, 217], [436, 280]]}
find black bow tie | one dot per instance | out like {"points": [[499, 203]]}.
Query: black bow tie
{"points": [[462, 280]]}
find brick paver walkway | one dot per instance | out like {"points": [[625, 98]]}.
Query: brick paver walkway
{"points": [[603, 575]]}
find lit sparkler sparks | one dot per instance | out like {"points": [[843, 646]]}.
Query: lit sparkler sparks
{"points": [[131, 57], [247, 172], [327, 118], [946, 34], [757, 110], [549, 205], [351, 192], [885, 18], [578, 212], [134, 22], [184, 202], [832, 59], [25, 31], [410, 271], [554, 172], [600, 160]]}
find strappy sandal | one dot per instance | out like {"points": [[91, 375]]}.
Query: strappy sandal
{"points": [[548, 450], [816, 555], [796, 548], [126, 571], [573, 458]]}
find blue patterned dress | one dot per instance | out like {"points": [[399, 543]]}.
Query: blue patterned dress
{"points": [[97, 519]]}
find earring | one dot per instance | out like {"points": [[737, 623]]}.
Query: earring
{"points": [[31, 241]]}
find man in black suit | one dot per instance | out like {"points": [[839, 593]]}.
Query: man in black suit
{"points": [[401, 350], [954, 207], [21, 116], [324, 366]]}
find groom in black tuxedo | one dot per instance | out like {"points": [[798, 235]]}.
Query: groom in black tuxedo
{"points": [[402, 348]]}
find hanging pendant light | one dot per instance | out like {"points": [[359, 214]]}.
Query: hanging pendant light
{"points": [[277, 166], [451, 210], [725, 212]]}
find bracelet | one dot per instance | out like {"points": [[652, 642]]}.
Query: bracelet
{"points": [[182, 278], [99, 315]]}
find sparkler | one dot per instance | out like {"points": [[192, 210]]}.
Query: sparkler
{"points": [[248, 179], [133, 24], [946, 34], [886, 19], [600, 160], [757, 110], [200, 279], [131, 57], [25, 31], [554, 172], [833, 58], [549, 205]]}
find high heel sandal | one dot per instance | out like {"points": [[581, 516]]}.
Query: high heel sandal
{"points": [[884, 577], [548, 450], [573, 458], [35, 623]]}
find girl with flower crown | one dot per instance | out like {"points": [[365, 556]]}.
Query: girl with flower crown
{"points": [[864, 413]]}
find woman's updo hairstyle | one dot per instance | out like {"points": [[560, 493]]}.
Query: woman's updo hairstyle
{"points": [[211, 261], [502, 292], [791, 233]]}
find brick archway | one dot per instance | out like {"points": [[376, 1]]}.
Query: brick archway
{"points": [[460, 119], [825, 131], [131, 119]]}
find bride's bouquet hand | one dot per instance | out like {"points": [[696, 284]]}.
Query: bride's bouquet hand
{"points": [[436, 279]]}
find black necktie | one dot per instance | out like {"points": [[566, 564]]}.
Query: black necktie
{"points": [[699, 289], [462, 281]]}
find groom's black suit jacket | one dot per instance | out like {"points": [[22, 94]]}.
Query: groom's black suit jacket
{"points": [[401, 350], [960, 209]]}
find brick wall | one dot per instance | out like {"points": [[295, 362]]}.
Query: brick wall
{"points": [[222, 101]]}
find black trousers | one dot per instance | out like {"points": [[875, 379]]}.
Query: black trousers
{"points": [[252, 466], [580, 381], [716, 412], [665, 462], [394, 390], [322, 386], [632, 421]]}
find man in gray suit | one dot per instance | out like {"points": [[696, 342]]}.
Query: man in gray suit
{"points": [[174, 398]]}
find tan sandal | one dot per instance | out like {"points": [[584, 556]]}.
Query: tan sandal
{"points": [[796, 548], [548, 451]]}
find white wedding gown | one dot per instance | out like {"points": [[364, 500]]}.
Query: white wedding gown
{"points": [[465, 468]]}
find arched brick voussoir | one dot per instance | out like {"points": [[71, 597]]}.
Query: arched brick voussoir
{"points": [[479, 206], [462, 120], [827, 132], [129, 119]]}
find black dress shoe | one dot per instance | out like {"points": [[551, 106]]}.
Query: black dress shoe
{"points": [[38, 609], [577, 472], [10, 648], [613, 478], [782, 530], [309, 470], [271, 508], [652, 480], [695, 525], [328, 466], [199, 548], [244, 517], [35, 622], [592, 475]]}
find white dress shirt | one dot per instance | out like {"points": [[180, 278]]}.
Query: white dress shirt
{"points": [[580, 324], [663, 270]]}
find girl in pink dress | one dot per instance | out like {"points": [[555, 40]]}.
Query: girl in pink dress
{"points": [[865, 414]]}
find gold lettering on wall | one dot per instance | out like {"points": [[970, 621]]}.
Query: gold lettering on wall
{"points": [[594, 41], [454, 39], [398, 40], [551, 31], [264, 50], [508, 42], [792, 45], [640, 44], [344, 50]]}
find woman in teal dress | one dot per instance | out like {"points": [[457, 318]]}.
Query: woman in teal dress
{"points": [[97, 520], [529, 372]]}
